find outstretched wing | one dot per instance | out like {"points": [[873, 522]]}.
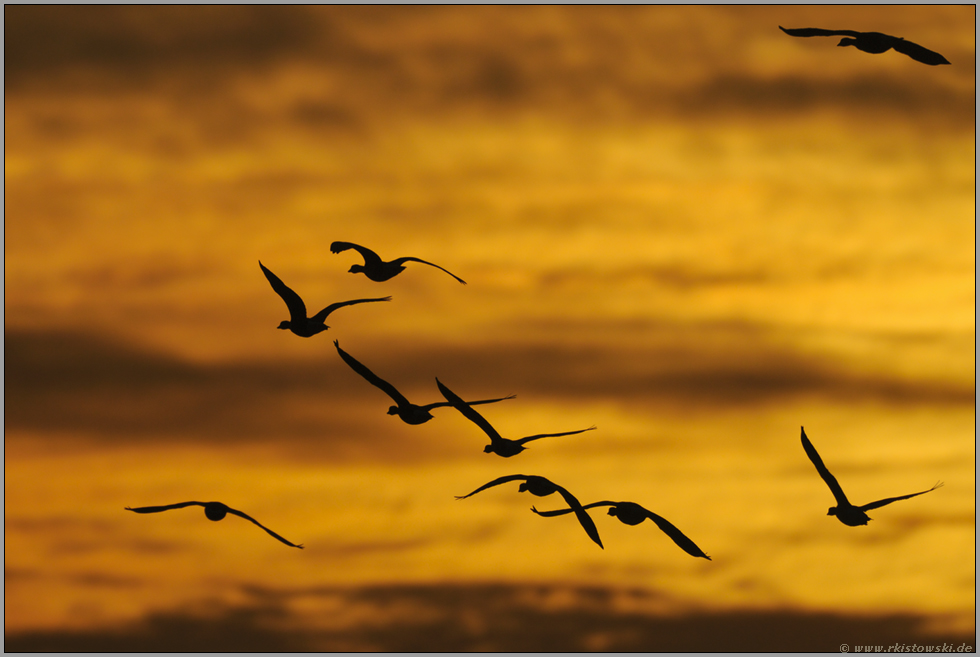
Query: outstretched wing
{"points": [[272, 533], [583, 517], [816, 31], [297, 309], [875, 505], [370, 257], [561, 512], [822, 469], [429, 407], [371, 377], [322, 315], [551, 435], [468, 411], [158, 509], [683, 542], [918, 53], [495, 482], [401, 261], [491, 401]]}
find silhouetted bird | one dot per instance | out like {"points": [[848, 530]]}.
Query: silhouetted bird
{"points": [[498, 445], [847, 513], [542, 487], [407, 411], [298, 322], [377, 269], [214, 511], [873, 42], [630, 513]]}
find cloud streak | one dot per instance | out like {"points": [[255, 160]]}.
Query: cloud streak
{"points": [[448, 59], [484, 617], [87, 385]]}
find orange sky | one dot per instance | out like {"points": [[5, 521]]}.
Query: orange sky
{"points": [[676, 223]]}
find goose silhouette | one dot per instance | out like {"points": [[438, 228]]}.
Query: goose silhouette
{"points": [[498, 445], [542, 487], [377, 269], [298, 322], [409, 413], [214, 511], [873, 42], [847, 513], [630, 513]]}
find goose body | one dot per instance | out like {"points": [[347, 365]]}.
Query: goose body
{"points": [[377, 269], [873, 42], [214, 511], [630, 513], [498, 444], [542, 487], [408, 412], [298, 322], [847, 513]]}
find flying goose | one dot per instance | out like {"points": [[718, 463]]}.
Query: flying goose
{"points": [[214, 511], [847, 513], [498, 445], [409, 413], [542, 487], [630, 513], [873, 42], [298, 322], [378, 270]]}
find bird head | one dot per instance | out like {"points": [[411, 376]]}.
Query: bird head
{"points": [[613, 511], [489, 450], [355, 269], [832, 511], [847, 42], [284, 325], [392, 410], [522, 487]]}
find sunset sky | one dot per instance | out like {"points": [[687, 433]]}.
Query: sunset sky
{"points": [[676, 223]]}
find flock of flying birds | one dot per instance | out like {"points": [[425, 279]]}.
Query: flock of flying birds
{"points": [[628, 513]]}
